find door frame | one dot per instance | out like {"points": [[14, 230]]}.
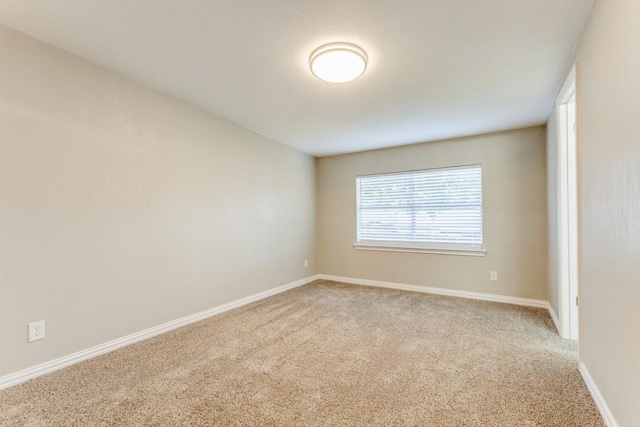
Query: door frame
{"points": [[568, 206]]}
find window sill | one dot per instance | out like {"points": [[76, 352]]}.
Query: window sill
{"points": [[396, 247]]}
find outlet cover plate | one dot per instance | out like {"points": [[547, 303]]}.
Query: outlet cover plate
{"points": [[36, 331]]}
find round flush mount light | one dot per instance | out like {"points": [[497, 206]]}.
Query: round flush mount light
{"points": [[338, 62]]}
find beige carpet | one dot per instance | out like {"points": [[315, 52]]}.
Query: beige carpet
{"points": [[327, 354]]}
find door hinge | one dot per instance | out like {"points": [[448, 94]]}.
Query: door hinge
{"points": [[576, 301]]}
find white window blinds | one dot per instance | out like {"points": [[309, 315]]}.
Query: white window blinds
{"points": [[432, 208]]}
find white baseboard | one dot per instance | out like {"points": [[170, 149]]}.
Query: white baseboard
{"points": [[53, 365], [597, 397], [554, 317], [440, 291]]}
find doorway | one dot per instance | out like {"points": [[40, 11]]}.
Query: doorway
{"points": [[567, 119]]}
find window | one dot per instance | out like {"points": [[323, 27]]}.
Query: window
{"points": [[435, 210]]}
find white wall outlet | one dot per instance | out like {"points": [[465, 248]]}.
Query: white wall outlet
{"points": [[494, 276], [36, 331], [306, 263]]}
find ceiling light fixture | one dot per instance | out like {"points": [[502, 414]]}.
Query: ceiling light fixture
{"points": [[338, 62]]}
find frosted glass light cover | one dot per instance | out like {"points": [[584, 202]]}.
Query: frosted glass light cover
{"points": [[338, 62]]}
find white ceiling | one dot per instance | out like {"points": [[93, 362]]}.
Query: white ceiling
{"points": [[438, 68]]}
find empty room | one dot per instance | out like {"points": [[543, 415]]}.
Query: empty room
{"points": [[317, 213]]}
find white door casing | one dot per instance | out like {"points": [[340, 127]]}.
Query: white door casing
{"points": [[568, 230]]}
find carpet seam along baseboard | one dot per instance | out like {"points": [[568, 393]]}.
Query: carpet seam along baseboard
{"points": [[528, 302], [89, 353], [601, 404], [554, 317]]}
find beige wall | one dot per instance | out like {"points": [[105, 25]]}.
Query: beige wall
{"points": [[122, 208], [609, 141], [514, 210]]}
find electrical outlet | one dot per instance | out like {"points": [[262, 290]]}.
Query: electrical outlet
{"points": [[494, 276], [36, 331], [306, 263]]}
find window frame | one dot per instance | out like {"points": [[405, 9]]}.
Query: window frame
{"points": [[429, 248]]}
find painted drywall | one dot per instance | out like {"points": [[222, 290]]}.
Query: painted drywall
{"points": [[514, 211], [609, 147], [122, 208], [552, 215]]}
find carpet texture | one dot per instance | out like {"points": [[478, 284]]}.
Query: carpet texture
{"points": [[327, 354]]}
